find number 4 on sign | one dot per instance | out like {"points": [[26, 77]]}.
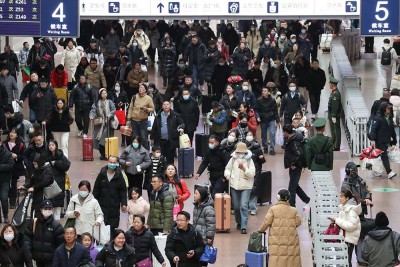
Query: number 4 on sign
{"points": [[59, 12]]}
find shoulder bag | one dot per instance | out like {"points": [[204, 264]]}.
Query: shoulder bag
{"points": [[52, 190]]}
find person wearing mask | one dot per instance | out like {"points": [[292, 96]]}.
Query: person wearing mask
{"points": [[176, 186], [315, 84], [211, 61], [277, 75], [85, 209], [228, 145], [59, 166], [161, 205], [140, 107], [168, 60], [136, 53], [59, 77], [167, 127], [88, 242], [253, 39], [348, 220], [301, 68], [204, 216], [242, 127], [255, 78], [189, 111], [291, 58], [116, 252], [231, 37], [382, 244], [304, 41], [268, 50], [258, 159], [71, 253], [27, 91], [219, 119], [104, 109], [241, 59], [292, 101], [112, 41], [14, 144], [136, 161], [110, 190], [70, 60], [245, 108], [95, 75], [8, 83], [185, 244], [59, 121], [43, 235], [156, 168], [283, 43], [195, 55], [223, 48], [219, 77], [246, 95], [231, 104], [142, 39], [13, 250], [93, 51], [240, 172], [36, 53], [383, 135], [143, 241], [267, 111], [335, 112], [135, 78], [282, 220], [6, 172], [80, 69], [157, 96], [319, 149], [42, 100], [293, 160], [195, 93], [83, 97], [36, 146]]}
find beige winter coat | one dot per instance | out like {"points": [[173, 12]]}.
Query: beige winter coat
{"points": [[254, 41], [283, 240], [239, 179], [70, 59], [142, 39]]}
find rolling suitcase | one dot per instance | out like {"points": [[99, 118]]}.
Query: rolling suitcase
{"points": [[111, 146], [87, 145], [61, 93], [207, 186], [265, 188], [222, 205], [161, 241], [201, 143], [206, 103], [186, 162], [22, 214], [258, 259]]}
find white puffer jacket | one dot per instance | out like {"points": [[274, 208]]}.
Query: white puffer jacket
{"points": [[395, 101], [70, 60], [349, 221], [90, 213], [239, 179]]}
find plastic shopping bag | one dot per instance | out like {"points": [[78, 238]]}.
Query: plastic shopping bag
{"points": [[150, 121], [394, 153], [209, 255], [101, 234], [279, 135], [372, 164], [184, 141], [176, 210]]}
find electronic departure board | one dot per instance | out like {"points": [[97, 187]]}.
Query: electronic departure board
{"points": [[39, 18]]}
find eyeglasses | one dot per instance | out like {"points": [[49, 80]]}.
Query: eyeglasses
{"points": [[178, 220]]}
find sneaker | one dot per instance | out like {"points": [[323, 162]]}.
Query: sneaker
{"points": [[391, 175], [6, 221], [244, 231], [272, 152], [80, 133], [314, 116], [253, 213], [84, 136], [265, 150], [376, 174]]}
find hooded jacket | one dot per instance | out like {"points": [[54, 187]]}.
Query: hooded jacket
{"points": [[349, 221], [137, 157], [293, 150], [239, 179], [377, 247], [204, 218], [70, 60], [18, 253], [138, 206], [382, 130]]}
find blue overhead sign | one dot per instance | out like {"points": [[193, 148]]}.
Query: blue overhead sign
{"points": [[58, 18], [380, 17]]}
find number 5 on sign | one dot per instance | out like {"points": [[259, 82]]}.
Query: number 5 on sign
{"points": [[380, 8], [59, 12]]}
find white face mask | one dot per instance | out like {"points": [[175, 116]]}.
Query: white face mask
{"points": [[240, 156], [249, 138], [157, 155], [117, 88], [231, 139], [9, 237], [292, 88], [219, 40], [245, 88], [83, 194], [266, 42], [47, 213], [151, 90]]}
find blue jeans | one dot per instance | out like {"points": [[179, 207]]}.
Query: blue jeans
{"points": [[197, 75], [253, 203], [32, 115], [240, 200], [271, 127], [4, 187], [139, 128]]}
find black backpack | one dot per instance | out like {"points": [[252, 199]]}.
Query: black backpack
{"points": [[386, 58]]}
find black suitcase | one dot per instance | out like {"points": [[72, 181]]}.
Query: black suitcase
{"points": [[207, 186], [22, 215], [207, 101], [265, 188], [201, 143], [186, 162]]}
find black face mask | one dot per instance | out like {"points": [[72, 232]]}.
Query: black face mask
{"points": [[243, 124]]}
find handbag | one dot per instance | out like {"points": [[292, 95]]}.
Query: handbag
{"points": [[98, 121], [333, 229], [67, 182], [176, 210], [70, 221], [255, 243], [114, 122], [209, 255], [125, 130], [184, 141], [121, 116], [52, 190], [145, 263]]}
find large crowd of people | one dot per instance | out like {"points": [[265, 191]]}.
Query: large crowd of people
{"points": [[259, 79]]}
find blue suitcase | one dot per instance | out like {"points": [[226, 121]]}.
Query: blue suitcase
{"points": [[254, 259], [186, 162]]}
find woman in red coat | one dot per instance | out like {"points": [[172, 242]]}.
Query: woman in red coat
{"points": [[177, 187], [251, 117]]}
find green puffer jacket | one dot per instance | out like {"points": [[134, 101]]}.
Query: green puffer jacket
{"points": [[161, 205]]}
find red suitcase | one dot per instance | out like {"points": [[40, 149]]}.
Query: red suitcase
{"points": [[87, 148]]}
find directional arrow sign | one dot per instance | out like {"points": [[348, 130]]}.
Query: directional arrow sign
{"points": [[160, 6]]}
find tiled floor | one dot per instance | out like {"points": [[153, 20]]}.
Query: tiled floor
{"points": [[233, 245]]}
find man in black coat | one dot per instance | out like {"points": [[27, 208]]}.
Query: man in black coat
{"points": [[214, 161], [195, 55], [189, 111], [167, 127], [43, 235], [10, 59], [254, 76], [14, 119], [278, 76], [383, 135], [184, 245], [211, 61], [6, 168], [315, 84], [292, 102], [37, 146], [3, 102], [293, 161], [219, 77], [110, 190]]}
